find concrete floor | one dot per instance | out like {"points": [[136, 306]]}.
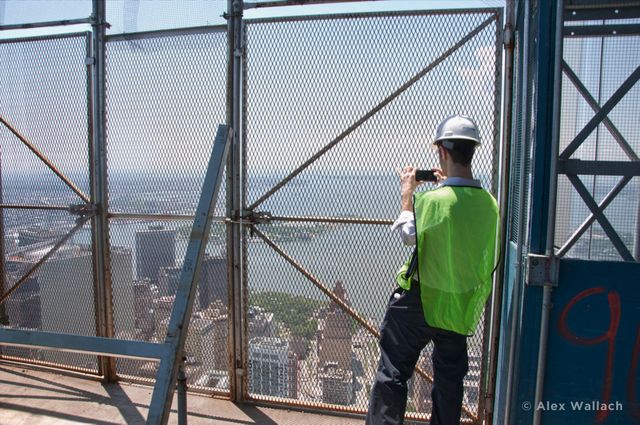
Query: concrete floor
{"points": [[34, 396]]}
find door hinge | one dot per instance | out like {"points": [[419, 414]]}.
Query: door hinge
{"points": [[542, 270]]}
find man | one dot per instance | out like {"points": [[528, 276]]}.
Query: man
{"points": [[441, 296]]}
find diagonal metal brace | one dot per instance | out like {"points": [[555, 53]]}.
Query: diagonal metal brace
{"points": [[601, 114], [179, 323], [375, 110], [602, 219], [617, 136], [45, 160]]}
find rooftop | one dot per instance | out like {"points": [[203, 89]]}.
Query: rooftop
{"points": [[33, 395]]}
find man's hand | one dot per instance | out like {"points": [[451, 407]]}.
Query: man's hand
{"points": [[440, 175], [408, 186]]}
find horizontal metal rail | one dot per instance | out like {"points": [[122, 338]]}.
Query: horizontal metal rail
{"points": [[159, 217], [60, 23], [611, 30], [34, 207], [380, 14], [599, 168], [375, 110], [340, 220], [83, 344], [144, 35], [283, 3], [626, 10], [46, 161]]}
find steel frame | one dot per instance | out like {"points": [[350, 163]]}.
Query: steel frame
{"points": [[574, 167]]}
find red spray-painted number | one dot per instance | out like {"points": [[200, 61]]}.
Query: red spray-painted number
{"points": [[609, 336]]}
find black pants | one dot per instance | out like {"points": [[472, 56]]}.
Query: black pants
{"points": [[403, 335]]}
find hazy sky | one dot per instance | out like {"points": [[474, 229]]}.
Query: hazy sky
{"points": [[145, 15]]}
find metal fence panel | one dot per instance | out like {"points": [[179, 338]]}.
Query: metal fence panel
{"points": [[334, 106], [165, 99], [593, 71], [44, 98]]}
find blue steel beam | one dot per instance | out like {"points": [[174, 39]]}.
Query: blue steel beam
{"points": [[179, 322], [82, 344]]}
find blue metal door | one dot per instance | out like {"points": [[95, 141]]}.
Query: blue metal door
{"points": [[570, 334]]}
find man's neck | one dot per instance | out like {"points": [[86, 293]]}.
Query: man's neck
{"points": [[460, 171]]}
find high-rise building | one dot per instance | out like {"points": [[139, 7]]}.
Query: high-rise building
{"points": [[143, 295], [273, 368], [66, 287], [168, 280], [162, 307], [337, 385], [155, 249], [217, 357], [24, 310], [472, 381], [15, 268], [213, 281], [260, 322], [335, 334]]}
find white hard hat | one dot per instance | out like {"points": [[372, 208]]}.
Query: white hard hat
{"points": [[457, 127]]}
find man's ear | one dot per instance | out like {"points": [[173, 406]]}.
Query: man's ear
{"points": [[443, 152]]}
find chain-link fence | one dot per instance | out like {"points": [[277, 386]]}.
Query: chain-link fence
{"points": [[334, 106], [166, 97], [43, 99]]}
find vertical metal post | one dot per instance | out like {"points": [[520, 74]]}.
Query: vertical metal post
{"points": [[99, 197], [553, 79], [4, 320], [491, 349], [182, 395], [523, 106], [235, 199]]}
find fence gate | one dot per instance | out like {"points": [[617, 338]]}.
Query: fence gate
{"points": [[334, 105]]}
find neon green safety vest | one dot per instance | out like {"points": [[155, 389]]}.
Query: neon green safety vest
{"points": [[456, 238]]}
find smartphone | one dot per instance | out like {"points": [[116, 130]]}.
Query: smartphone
{"points": [[426, 176]]}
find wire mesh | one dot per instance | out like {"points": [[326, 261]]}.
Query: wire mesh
{"points": [[166, 97], [595, 68], [160, 142], [44, 97], [145, 280], [308, 80], [58, 296]]}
